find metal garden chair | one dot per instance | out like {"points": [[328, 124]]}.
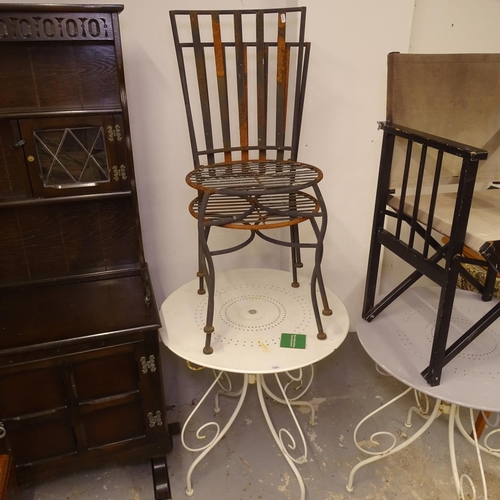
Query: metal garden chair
{"points": [[243, 76]]}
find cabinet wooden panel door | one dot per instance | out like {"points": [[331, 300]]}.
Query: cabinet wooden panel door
{"points": [[86, 403]]}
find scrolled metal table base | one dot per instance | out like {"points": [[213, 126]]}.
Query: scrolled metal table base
{"points": [[283, 437], [440, 407]]}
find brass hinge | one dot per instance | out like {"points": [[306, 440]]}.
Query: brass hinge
{"points": [[18, 144], [113, 133], [155, 419], [120, 171], [148, 364], [3, 432]]}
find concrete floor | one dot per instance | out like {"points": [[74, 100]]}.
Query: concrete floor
{"points": [[246, 464]]}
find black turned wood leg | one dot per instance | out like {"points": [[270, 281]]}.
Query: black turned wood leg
{"points": [[161, 481]]}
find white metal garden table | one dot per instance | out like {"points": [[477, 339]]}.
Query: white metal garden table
{"points": [[399, 341], [253, 308]]}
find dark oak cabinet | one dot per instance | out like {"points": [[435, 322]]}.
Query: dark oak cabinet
{"points": [[80, 374]]}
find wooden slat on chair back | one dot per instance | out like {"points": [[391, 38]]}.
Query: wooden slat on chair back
{"points": [[243, 76], [455, 96]]}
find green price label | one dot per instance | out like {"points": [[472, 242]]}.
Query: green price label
{"points": [[293, 340]]}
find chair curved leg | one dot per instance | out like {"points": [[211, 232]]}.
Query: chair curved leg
{"points": [[199, 274], [317, 276], [207, 267], [295, 251], [295, 241]]}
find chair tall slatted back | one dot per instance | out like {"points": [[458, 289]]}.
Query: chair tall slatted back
{"points": [[433, 181], [250, 71]]}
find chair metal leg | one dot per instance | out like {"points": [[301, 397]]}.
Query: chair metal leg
{"points": [[208, 271], [295, 251], [317, 276], [199, 274]]}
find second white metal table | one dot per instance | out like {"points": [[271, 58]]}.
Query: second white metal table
{"points": [[399, 341]]}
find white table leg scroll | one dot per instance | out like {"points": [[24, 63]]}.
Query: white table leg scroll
{"points": [[219, 433]]}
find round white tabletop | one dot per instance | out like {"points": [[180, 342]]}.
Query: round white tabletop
{"points": [[399, 340], [253, 308]]}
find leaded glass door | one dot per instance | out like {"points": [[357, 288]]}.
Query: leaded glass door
{"points": [[69, 156]]}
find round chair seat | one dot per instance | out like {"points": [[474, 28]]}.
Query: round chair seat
{"points": [[257, 212], [254, 177]]}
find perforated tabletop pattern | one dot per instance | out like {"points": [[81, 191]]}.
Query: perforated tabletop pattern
{"points": [[253, 307], [399, 340]]}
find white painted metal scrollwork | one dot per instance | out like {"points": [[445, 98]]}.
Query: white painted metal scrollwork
{"points": [[423, 412], [278, 436], [225, 390], [294, 400], [464, 485], [392, 448], [485, 447], [283, 437], [381, 371], [463, 479], [3, 432], [218, 435]]}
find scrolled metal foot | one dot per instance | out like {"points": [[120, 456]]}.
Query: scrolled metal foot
{"points": [[392, 448], [278, 436], [219, 434], [464, 478]]}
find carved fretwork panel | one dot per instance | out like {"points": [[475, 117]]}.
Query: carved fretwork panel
{"points": [[26, 26]]}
